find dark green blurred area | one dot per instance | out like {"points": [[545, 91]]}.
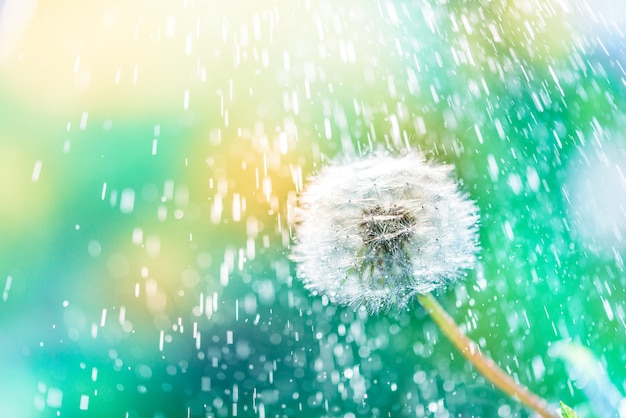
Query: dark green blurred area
{"points": [[183, 305]]}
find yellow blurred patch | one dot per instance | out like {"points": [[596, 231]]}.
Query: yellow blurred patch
{"points": [[105, 55], [25, 200]]}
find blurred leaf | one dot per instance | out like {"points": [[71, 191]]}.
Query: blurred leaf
{"points": [[567, 412]]}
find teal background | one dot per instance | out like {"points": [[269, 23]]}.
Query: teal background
{"points": [[180, 307]]}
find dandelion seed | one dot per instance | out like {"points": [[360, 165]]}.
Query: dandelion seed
{"points": [[377, 231]]}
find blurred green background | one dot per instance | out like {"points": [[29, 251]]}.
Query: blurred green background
{"points": [[150, 158]]}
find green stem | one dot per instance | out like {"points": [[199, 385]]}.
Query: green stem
{"points": [[484, 365]]}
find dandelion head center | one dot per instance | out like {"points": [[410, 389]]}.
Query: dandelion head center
{"points": [[386, 234], [386, 228]]}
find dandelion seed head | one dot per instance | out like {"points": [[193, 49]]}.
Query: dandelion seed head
{"points": [[374, 232]]}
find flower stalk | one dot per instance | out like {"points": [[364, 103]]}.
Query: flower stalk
{"points": [[487, 367]]}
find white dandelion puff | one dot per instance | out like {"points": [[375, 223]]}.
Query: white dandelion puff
{"points": [[375, 232]]}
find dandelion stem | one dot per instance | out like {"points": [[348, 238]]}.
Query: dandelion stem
{"points": [[485, 365]]}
